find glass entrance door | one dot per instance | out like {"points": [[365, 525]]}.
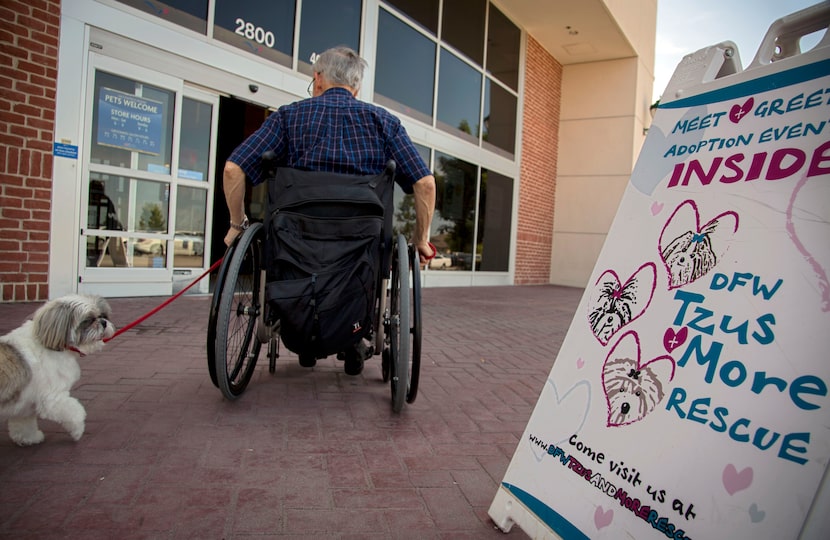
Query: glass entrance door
{"points": [[148, 171]]}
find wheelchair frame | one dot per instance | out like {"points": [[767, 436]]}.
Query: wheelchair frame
{"points": [[237, 326]]}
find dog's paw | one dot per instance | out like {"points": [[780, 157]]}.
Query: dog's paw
{"points": [[74, 416], [76, 430], [27, 439]]}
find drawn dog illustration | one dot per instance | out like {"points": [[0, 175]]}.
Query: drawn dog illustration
{"points": [[613, 304], [690, 256], [633, 389], [38, 365], [688, 250]]}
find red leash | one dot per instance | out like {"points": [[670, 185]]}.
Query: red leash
{"points": [[165, 303]]}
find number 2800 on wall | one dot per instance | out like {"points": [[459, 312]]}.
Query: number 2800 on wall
{"points": [[254, 33]]}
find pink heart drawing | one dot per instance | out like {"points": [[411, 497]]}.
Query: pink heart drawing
{"points": [[603, 518], [656, 208], [673, 340], [819, 272], [613, 305], [735, 481], [738, 112], [580, 363], [633, 389], [688, 250]]}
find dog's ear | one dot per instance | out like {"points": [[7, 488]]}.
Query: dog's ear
{"points": [[55, 324]]}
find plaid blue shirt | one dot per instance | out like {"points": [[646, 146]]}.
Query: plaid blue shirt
{"points": [[333, 132]]}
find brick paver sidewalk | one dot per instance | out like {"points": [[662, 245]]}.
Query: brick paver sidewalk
{"points": [[304, 453]]}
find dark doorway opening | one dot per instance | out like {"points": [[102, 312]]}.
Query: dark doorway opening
{"points": [[237, 120]]}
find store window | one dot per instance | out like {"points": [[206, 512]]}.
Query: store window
{"points": [[191, 201], [500, 109], [405, 70], [153, 206], [453, 225], [121, 203], [495, 210], [463, 27], [194, 148], [189, 241], [459, 97], [476, 102], [475, 99], [265, 29], [403, 218], [325, 24], [423, 12], [503, 46], [191, 14]]}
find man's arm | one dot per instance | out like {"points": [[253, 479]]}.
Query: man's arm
{"points": [[424, 190], [233, 182]]}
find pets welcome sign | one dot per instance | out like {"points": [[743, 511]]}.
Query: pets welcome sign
{"points": [[691, 396]]}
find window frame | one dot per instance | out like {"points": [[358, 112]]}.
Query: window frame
{"points": [[441, 45]]}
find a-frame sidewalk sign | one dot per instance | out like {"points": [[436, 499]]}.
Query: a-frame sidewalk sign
{"points": [[691, 396]]}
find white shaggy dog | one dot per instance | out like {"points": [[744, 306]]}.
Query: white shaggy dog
{"points": [[38, 365]]}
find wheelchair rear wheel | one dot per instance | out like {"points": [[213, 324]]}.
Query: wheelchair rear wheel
{"points": [[221, 274], [415, 292], [404, 353], [236, 343]]}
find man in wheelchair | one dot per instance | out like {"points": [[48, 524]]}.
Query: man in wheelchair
{"points": [[333, 131]]}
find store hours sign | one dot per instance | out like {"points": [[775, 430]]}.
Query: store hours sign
{"points": [[129, 122]]}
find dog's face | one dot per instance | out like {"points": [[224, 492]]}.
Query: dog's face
{"points": [[605, 322], [77, 321], [632, 391], [689, 257]]}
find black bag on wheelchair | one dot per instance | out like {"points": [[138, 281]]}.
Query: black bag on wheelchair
{"points": [[323, 254]]}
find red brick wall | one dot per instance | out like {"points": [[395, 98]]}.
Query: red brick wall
{"points": [[28, 79], [540, 142]]}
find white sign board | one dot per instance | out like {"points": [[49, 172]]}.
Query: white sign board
{"points": [[690, 396]]}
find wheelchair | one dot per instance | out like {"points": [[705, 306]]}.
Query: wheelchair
{"points": [[325, 250]]}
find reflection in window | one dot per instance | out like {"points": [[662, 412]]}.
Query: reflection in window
{"points": [[191, 14], [189, 241], [463, 27], [130, 118], [194, 148], [151, 206], [129, 252], [454, 221], [405, 71], [459, 97], [503, 44], [495, 208], [499, 119], [107, 252], [325, 24], [108, 202], [262, 28], [423, 12], [404, 205]]}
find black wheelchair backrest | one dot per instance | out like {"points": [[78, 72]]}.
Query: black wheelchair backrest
{"points": [[328, 247]]}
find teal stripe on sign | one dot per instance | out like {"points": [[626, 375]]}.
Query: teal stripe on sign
{"points": [[755, 86], [548, 515]]}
